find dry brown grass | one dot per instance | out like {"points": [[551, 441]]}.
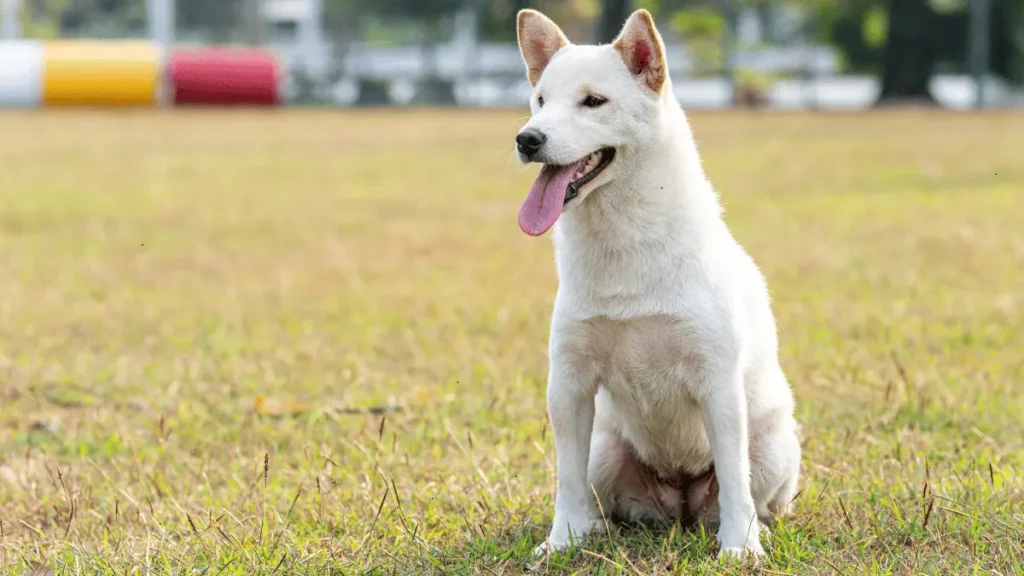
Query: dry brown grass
{"points": [[161, 272]]}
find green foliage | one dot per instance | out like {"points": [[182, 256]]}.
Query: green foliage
{"points": [[418, 9], [665, 8], [340, 17], [219, 15], [48, 19], [390, 21], [498, 19], [949, 6], [843, 26], [875, 26], [699, 23], [41, 28], [702, 29]]}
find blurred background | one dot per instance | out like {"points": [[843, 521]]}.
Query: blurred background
{"points": [[807, 54], [309, 337]]}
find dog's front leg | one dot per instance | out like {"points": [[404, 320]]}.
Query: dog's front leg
{"points": [[571, 412], [725, 419]]}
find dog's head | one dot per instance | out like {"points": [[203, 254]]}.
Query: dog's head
{"points": [[593, 107]]}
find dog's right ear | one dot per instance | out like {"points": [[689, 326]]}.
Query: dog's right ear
{"points": [[539, 39]]}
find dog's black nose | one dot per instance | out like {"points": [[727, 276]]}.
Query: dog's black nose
{"points": [[530, 141]]}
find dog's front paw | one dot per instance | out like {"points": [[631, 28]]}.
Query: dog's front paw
{"points": [[564, 533], [726, 554], [544, 548], [738, 545]]}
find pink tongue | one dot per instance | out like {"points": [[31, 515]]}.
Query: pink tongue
{"points": [[543, 205]]}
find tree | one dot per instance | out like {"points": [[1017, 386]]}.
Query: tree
{"points": [[498, 19], [613, 16], [910, 53]]}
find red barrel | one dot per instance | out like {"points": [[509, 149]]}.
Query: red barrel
{"points": [[224, 77]]}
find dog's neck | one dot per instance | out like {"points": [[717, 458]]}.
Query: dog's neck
{"points": [[620, 252]]}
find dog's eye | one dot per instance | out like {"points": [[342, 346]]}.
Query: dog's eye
{"points": [[593, 101], [540, 101]]}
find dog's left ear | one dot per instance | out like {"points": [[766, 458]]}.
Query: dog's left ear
{"points": [[642, 50]]}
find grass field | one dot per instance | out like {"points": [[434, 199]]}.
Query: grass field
{"points": [[314, 343]]}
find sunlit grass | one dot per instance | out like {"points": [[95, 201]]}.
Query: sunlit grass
{"points": [[360, 277]]}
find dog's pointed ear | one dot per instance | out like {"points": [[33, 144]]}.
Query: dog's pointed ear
{"points": [[642, 50], [539, 39]]}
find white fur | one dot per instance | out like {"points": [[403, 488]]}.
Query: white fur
{"points": [[662, 336]]}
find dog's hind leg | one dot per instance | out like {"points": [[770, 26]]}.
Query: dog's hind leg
{"points": [[606, 457], [774, 473]]}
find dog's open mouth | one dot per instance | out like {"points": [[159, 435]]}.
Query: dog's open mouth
{"points": [[556, 186], [595, 164]]}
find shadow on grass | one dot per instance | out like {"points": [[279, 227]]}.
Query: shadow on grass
{"points": [[625, 549]]}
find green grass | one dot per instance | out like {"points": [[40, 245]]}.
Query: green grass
{"points": [[165, 274]]}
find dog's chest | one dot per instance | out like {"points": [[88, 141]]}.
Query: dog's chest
{"points": [[648, 371], [639, 283]]}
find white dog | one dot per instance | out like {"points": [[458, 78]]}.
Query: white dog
{"points": [[665, 393]]}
